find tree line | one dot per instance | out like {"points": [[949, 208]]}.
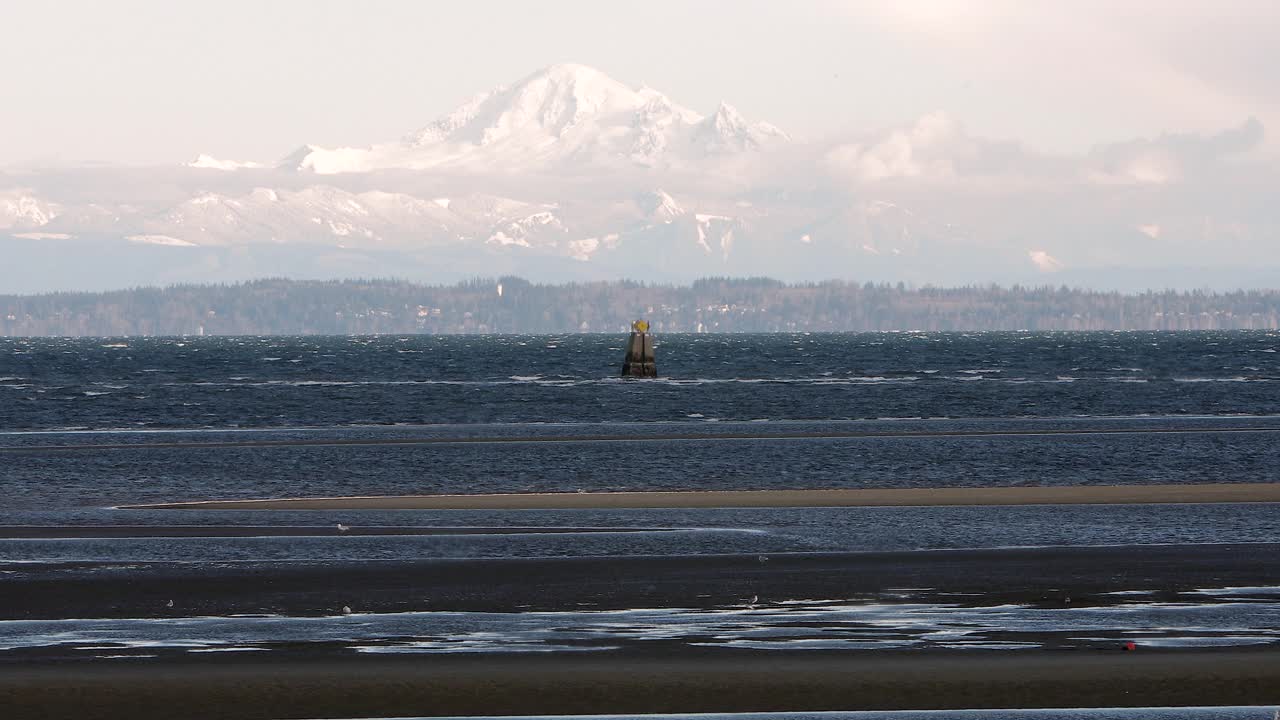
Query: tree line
{"points": [[515, 305]]}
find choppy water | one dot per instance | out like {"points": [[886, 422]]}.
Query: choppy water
{"points": [[1166, 408], [257, 382]]}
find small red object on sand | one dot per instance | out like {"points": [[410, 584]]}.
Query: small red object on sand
{"points": [[1131, 645]]}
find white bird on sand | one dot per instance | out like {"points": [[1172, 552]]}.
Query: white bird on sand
{"points": [[346, 610], [169, 604], [343, 528]]}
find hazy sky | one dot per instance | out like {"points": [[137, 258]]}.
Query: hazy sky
{"points": [[156, 81]]}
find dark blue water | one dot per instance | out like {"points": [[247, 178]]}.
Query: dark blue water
{"points": [[274, 382], [1200, 385], [86, 425]]}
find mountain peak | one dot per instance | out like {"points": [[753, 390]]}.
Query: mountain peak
{"points": [[728, 117], [570, 72], [561, 115], [552, 100], [727, 131]]}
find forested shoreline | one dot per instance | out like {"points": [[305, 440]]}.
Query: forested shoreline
{"points": [[514, 305]]}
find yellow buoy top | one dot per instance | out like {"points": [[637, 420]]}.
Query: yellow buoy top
{"points": [[640, 326]]}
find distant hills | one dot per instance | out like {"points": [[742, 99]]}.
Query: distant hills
{"points": [[515, 305]]}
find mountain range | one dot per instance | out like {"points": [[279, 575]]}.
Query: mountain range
{"points": [[569, 174]]}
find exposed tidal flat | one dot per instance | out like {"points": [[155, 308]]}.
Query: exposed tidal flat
{"points": [[569, 684], [312, 527]]}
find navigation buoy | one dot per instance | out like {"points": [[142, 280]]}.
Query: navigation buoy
{"points": [[639, 361]]}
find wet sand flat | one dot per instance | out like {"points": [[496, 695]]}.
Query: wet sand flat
{"points": [[990, 576], [362, 686], [48, 532], [861, 497]]}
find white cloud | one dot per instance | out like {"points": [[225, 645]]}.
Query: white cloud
{"points": [[159, 240], [1063, 75], [935, 148], [925, 150], [1171, 157], [42, 236], [208, 162]]}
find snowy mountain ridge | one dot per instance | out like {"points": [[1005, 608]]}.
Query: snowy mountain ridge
{"points": [[21, 209], [561, 117]]}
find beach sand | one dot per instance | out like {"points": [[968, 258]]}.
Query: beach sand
{"points": [[715, 681], [861, 497]]}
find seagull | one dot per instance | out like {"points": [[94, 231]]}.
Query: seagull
{"points": [[169, 604], [343, 528], [346, 610]]}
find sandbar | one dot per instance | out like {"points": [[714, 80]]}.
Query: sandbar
{"points": [[845, 497]]}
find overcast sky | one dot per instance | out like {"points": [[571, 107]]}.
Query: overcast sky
{"points": [[155, 81]]}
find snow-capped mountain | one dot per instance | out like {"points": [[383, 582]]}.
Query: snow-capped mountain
{"points": [[570, 174], [330, 216], [561, 117], [311, 215], [22, 210], [659, 207]]}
